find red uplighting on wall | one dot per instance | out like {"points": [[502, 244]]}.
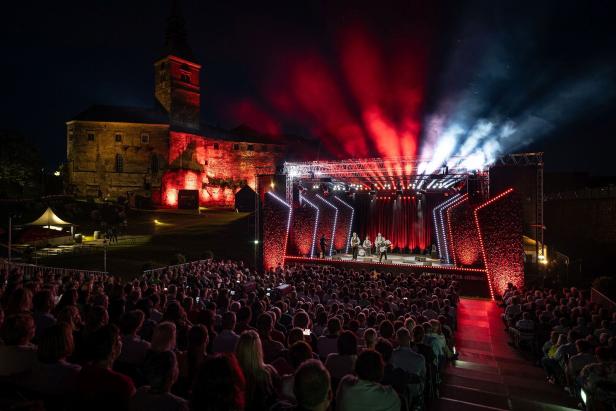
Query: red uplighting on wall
{"points": [[499, 224], [276, 225]]}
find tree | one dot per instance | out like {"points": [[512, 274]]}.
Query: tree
{"points": [[20, 166]]}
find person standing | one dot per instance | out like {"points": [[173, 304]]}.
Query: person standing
{"points": [[355, 245], [323, 243], [367, 246]]}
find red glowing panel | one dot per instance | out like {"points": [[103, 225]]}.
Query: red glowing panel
{"points": [[499, 223], [464, 236], [277, 217]]}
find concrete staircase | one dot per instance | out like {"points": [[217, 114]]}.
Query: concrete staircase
{"points": [[490, 374]]}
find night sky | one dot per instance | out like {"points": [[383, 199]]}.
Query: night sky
{"points": [[316, 68]]}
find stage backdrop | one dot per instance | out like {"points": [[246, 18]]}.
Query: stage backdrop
{"points": [[405, 221]]}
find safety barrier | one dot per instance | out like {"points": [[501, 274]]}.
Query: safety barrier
{"points": [[31, 269], [174, 268]]}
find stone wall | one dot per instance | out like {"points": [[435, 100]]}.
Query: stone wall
{"points": [[92, 151], [218, 168]]}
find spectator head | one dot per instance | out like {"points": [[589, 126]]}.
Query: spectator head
{"points": [[385, 348], [228, 320], [249, 353], [301, 320], [56, 344], [404, 337], [299, 352], [20, 302], [219, 385], [163, 338], [370, 337], [386, 329], [70, 315], [161, 370], [334, 326], [369, 366], [582, 346], [244, 315], [18, 329], [265, 324], [296, 334], [96, 318], [347, 343], [43, 301], [105, 345], [312, 386], [131, 322], [197, 337]]}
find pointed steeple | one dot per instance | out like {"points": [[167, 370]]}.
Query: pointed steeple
{"points": [[176, 42]]}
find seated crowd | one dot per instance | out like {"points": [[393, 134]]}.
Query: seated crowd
{"points": [[573, 339], [216, 336]]}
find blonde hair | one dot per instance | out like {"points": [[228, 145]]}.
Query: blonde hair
{"points": [[163, 338], [249, 354]]}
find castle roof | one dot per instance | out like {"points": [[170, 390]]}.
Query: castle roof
{"points": [[123, 114]]}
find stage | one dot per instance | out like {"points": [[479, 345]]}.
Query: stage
{"points": [[393, 258]]}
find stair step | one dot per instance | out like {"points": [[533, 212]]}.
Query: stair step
{"points": [[446, 404], [475, 396]]}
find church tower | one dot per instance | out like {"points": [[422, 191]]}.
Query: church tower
{"points": [[176, 75]]}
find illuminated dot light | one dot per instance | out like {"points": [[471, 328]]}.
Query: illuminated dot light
{"points": [[273, 250], [483, 249], [451, 242], [333, 237], [426, 267], [316, 223], [350, 224]]}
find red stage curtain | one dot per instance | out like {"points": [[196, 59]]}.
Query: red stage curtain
{"points": [[405, 221]]}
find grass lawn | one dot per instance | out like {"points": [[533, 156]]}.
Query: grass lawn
{"points": [[226, 234]]}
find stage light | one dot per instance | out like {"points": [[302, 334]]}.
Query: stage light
{"points": [[256, 242]]}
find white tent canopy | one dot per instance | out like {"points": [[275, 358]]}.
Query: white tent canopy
{"points": [[49, 218]]}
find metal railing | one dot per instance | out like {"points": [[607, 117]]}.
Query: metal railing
{"points": [[599, 298], [33, 269], [174, 268]]}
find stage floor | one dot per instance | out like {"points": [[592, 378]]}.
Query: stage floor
{"points": [[408, 259]]}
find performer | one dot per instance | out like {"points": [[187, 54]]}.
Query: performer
{"points": [[355, 245], [367, 246], [382, 248], [322, 243]]}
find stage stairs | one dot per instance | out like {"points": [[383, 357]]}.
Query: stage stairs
{"points": [[490, 374]]}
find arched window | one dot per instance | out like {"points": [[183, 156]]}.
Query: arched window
{"points": [[154, 164], [119, 163]]}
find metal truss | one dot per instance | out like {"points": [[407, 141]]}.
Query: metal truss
{"points": [[521, 159], [363, 168]]}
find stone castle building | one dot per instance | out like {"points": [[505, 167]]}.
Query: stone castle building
{"points": [[165, 152]]}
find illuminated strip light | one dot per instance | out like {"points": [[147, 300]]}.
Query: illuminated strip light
{"points": [[286, 241], [452, 247], [430, 184], [316, 223], [447, 255], [483, 250], [436, 227], [441, 229], [433, 267], [333, 238], [346, 251]]}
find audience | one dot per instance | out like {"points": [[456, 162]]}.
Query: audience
{"points": [[563, 328], [215, 336]]}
